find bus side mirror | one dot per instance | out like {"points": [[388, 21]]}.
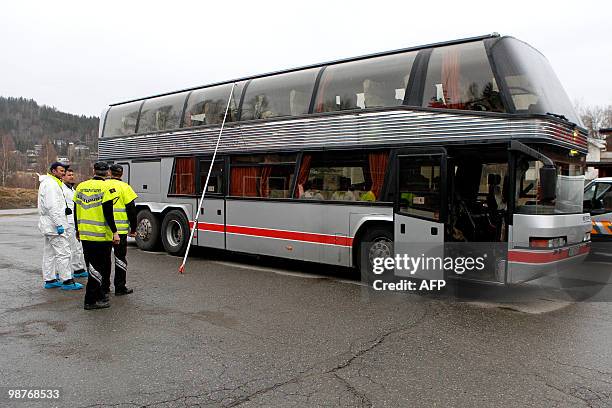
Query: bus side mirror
{"points": [[548, 182]]}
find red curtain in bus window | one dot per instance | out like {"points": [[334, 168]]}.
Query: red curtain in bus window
{"points": [[264, 186], [378, 167], [244, 181], [303, 175], [184, 173], [450, 78]]}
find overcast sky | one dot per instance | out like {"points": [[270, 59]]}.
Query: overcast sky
{"points": [[81, 56]]}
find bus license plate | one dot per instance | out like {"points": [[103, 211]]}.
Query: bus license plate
{"points": [[574, 251]]}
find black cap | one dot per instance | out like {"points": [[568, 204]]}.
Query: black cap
{"points": [[116, 168], [55, 165], [101, 166]]}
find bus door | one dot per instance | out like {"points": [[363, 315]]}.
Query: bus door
{"points": [[211, 222], [126, 172], [420, 211]]}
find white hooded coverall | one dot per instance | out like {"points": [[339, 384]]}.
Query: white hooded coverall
{"points": [[52, 211], [76, 249]]}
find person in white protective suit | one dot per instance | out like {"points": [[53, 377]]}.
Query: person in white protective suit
{"points": [[53, 212], [76, 249]]}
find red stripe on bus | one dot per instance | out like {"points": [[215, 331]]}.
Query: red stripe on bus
{"points": [[205, 226], [544, 256], [278, 234]]}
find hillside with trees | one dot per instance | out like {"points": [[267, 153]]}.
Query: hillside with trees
{"points": [[32, 136]]}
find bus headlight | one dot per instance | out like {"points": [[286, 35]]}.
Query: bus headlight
{"points": [[587, 237]]}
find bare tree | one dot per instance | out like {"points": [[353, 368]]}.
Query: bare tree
{"points": [[8, 158], [595, 118], [47, 156]]}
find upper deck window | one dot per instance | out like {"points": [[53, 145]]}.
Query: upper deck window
{"points": [[279, 95], [207, 106], [370, 83], [530, 80], [162, 113], [121, 120], [460, 77]]}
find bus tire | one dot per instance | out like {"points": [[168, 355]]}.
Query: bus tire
{"points": [[147, 230], [175, 233], [375, 242]]}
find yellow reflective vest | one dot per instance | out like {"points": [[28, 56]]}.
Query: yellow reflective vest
{"points": [[88, 198], [125, 196]]}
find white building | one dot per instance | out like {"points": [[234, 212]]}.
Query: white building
{"points": [[596, 147]]}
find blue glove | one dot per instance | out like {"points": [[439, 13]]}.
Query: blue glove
{"points": [[60, 229]]}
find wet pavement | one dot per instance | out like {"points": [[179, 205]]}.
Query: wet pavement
{"points": [[239, 331]]}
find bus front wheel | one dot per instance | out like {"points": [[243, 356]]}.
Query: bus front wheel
{"points": [[376, 242], [147, 231], [175, 232]]}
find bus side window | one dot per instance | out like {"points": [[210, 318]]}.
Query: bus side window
{"points": [[265, 176], [280, 95], [183, 176], [371, 83], [339, 176], [216, 184], [460, 77], [207, 106], [419, 186]]}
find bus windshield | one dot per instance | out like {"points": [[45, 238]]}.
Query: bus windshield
{"points": [[532, 85], [569, 192]]}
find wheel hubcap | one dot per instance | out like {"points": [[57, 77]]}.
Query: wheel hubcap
{"points": [[174, 233], [381, 247], [144, 229]]}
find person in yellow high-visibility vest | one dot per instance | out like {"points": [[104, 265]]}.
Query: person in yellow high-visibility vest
{"points": [[125, 219], [96, 229]]}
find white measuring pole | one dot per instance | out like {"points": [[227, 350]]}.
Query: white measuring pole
{"points": [[197, 215]]}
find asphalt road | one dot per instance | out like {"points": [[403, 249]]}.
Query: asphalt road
{"points": [[237, 331]]}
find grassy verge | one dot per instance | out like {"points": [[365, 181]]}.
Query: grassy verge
{"points": [[17, 198]]}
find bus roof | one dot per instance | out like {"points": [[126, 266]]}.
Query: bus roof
{"points": [[378, 54]]}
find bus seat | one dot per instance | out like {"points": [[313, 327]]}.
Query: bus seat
{"points": [[299, 102], [374, 93]]}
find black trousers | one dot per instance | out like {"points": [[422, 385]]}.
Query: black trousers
{"points": [[98, 262], [120, 251]]}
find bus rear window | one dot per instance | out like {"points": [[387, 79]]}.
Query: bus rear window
{"points": [[121, 120]]}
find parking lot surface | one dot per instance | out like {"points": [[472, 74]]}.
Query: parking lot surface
{"points": [[239, 331]]}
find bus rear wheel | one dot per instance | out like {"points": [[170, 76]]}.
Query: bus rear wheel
{"points": [[375, 243], [147, 231], [175, 232]]}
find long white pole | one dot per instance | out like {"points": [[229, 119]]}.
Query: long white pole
{"points": [[197, 214]]}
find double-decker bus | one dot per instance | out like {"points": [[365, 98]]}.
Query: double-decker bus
{"points": [[466, 141]]}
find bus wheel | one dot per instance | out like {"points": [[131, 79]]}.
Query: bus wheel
{"points": [[375, 243], [175, 232], [147, 231]]}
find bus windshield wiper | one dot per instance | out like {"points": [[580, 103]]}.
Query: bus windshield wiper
{"points": [[556, 115]]}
